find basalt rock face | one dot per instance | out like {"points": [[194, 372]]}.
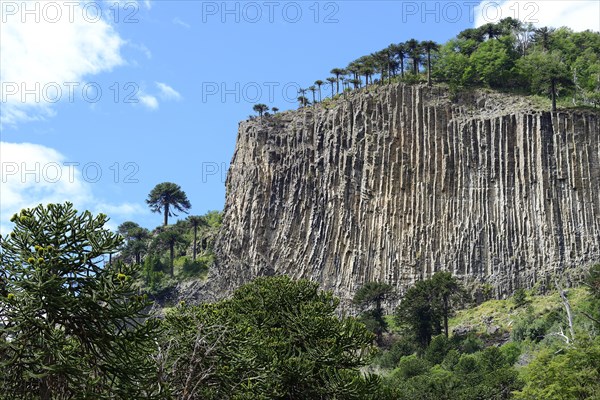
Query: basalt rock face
{"points": [[394, 184]]}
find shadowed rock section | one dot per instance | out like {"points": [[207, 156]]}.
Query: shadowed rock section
{"points": [[398, 183]]}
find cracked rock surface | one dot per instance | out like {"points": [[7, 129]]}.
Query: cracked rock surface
{"points": [[399, 182]]}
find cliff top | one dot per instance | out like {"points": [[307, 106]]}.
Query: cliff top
{"points": [[469, 103]]}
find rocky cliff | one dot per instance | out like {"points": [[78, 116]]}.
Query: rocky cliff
{"points": [[402, 181]]}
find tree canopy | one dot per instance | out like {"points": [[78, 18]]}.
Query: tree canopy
{"points": [[167, 197], [274, 339], [508, 55], [70, 325], [426, 307]]}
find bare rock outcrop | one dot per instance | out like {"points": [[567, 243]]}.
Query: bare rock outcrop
{"points": [[395, 183]]}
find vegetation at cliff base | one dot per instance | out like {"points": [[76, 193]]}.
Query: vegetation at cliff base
{"points": [[73, 325], [521, 347], [275, 338]]}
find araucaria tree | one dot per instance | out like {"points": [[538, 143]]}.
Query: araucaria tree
{"points": [[414, 51], [136, 239], [373, 294], [168, 239], [337, 72], [195, 221], [260, 109], [545, 72], [429, 46], [426, 307], [313, 89], [331, 80], [303, 101], [70, 327], [275, 338], [319, 83], [167, 196]]}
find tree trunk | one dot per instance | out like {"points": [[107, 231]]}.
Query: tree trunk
{"points": [[337, 84], [567, 305], [166, 219], [553, 89], [429, 84], [402, 66], [45, 392]]}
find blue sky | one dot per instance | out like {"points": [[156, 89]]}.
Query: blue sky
{"points": [[162, 68]]}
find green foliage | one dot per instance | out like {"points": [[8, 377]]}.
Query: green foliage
{"points": [[592, 281], [411, 366], [411, 79], [389, 359], [190, 268], [511, 352], [462, 367], [540, 68], [573, 373], [152, 263], [484, 375], [274, 339], [260, 109], [437, 349], [490, 64], [71, 327], [136, 242], [468, 344], [167, 197], [426, 307], [373, 294], [417, 315], [508, 55], [451, 67], [520, 298], [169, 239], [534, 328]]}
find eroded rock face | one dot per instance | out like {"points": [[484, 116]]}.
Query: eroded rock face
{"points": [[398, 183]]}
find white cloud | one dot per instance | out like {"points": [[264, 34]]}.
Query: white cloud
{"points": [[148, 101], [167, 92], [33, 174], [119, 213], [578, 15], [58, 49], [127, 4], [179, 22], [140, 48], [122, 210]]}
